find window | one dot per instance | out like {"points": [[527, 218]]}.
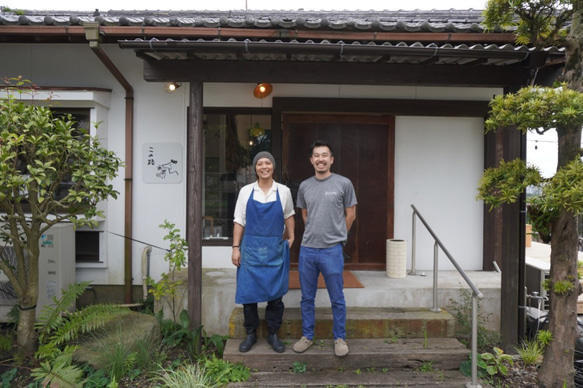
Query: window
{"points": [[231, 140], [81, 126], [87, 246]]}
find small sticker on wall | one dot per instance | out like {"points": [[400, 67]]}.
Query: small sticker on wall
{"points": [[47, 241], [163, 163]]}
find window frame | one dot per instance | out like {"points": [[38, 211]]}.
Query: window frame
{"points": [[229, 111]]}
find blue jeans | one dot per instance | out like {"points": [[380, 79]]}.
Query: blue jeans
{"points": [[329, 262]]}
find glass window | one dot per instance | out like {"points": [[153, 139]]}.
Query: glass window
{"points": [[231, 140], [81, 128], [87, 246]]}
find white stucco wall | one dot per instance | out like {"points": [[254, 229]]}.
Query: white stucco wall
{"points": [[438, 160]]}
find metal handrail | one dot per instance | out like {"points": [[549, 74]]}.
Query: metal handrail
{"points": [[476, 294]]}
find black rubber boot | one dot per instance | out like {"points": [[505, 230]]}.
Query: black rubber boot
{"points": [[275, 343], [246, 345]]}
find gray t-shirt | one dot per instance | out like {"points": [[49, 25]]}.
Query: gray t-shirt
{"points": [[325, 201]]}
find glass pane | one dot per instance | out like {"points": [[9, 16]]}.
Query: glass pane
{"points": [[87, 246], [231, 141]]}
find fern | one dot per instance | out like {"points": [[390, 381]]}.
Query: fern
{"points": [[57, 327], [51, 317], [89, 319], [59, 373]]}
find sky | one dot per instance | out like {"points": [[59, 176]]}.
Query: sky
{"points": [[225, 5], [541, 151]]}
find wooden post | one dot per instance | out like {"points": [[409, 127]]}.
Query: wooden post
{"points": [[194, 188]]}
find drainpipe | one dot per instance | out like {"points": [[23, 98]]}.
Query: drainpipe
{"points": [[92, 35]]}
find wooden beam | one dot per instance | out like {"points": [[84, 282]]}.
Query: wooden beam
{"points": [[504, 238], [111, 34], [397, 107], [194, 203], [334, 73]]}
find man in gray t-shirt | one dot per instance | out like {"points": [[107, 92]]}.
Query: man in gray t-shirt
{"points": [[328, 205], [325, 201]]}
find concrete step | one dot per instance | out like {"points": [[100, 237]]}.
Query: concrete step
{"points": [[361, 323]]}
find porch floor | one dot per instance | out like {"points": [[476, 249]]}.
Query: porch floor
{"points": [[412, 291]]}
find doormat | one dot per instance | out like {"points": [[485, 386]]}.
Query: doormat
{"points": [[350, 281]]}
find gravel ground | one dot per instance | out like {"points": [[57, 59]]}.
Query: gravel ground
{"points": [[520, 376]]}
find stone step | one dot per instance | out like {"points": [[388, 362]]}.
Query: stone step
{"points": [[361, 323], [377, 353]]}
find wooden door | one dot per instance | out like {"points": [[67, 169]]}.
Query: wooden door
{"points": [[363, 148]]}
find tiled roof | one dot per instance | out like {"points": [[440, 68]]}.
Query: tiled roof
{"points": [[217, 43], [327, 51], [455, 21]]}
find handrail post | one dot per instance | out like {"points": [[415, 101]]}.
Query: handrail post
{"points": [[413, 238], [435, 307], [474, 382], [476, 294]]}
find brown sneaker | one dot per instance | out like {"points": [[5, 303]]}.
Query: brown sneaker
{"points": [[340, 348], [302, 345]]}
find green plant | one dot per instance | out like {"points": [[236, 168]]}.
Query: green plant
{"points": [[223, 372], [194, 340], [191, 375], [564, 286], [218, 341], [496, 363], [299, 367], [466, 366], [426, 366], [5, 342], [544, 337], [59, 371], [95, 378], [531, 352], [120, 360], [462, 309], [57, 327], [7, 377], [167, 287]]}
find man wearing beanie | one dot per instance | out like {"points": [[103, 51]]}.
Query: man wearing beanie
{"points": [[264, 212]]}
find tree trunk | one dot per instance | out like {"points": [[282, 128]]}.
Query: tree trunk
{"points": [[557, 369], [28, 280], [26, 336]]}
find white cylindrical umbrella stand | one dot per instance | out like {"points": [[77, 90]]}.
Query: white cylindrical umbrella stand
{"points": [[396, 259]]}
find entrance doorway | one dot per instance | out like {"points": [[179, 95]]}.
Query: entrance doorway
{"points": [[363, 148]]}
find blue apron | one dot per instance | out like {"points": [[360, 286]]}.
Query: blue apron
{"points": [[264, 272]]}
